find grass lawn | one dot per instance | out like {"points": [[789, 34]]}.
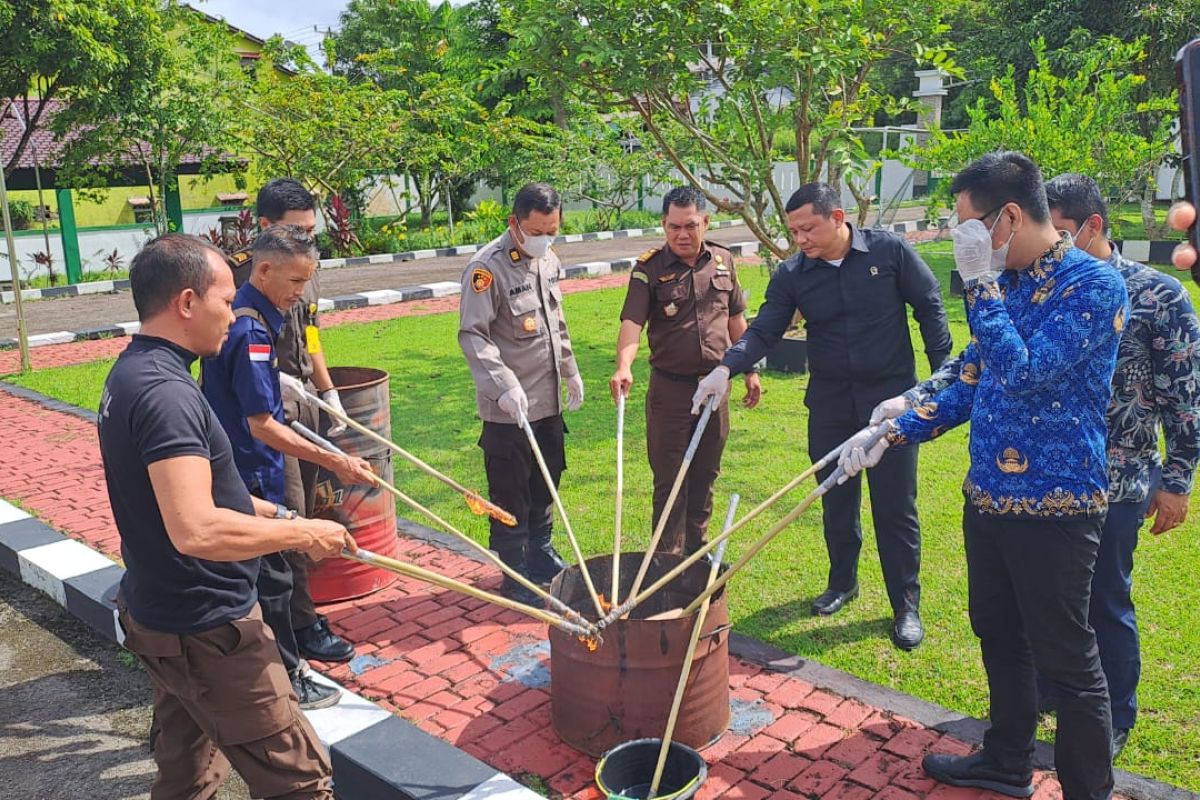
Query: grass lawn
{"points": [[433, 415]]}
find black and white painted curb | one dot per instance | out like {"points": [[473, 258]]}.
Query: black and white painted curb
{"points": [[377, 297], [376, 755], [103, 287]]}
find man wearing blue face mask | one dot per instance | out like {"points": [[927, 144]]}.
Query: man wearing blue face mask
{"points": [[1046, 319], [514, 336]]}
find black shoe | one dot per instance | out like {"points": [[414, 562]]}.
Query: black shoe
{"points": [[521, 594], [321, 644], [313, 695], [907, 630], [831, 601], [1120, 739], [543, 561], [976, 772]]}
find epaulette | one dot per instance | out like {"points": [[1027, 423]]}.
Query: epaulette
{"points": [[240, 257], [649, 254]]}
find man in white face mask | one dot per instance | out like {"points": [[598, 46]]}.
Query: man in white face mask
{"points": [[514, 336], [1046, 319]]}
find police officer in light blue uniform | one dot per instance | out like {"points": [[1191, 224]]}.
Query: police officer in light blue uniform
{"points": [[242, 386]]}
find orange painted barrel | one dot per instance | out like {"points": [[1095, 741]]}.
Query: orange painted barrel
{"points": [[624, 689], [368, 512]]}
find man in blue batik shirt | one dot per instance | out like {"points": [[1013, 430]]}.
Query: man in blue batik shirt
{"points": [[1046, 319], [242, 386], [1156, 383]]}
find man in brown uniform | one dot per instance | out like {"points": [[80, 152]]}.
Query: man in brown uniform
{"points": [[285, 201], [514, 336], [689, 295]]}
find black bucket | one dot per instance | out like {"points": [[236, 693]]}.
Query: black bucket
{"points": [[627, 770]]}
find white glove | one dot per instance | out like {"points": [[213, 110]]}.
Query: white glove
{"points": [[973, 253], [856, 457], [574, 392], [292, 389], [890, 409], [332, 397], [514, 403], [714, 384]]}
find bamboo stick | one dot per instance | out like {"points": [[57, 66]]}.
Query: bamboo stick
{"points": [[681, 687], [616, 559], [541, 461], [688, 455], [422, 574], [476, 502], [559, 605]]}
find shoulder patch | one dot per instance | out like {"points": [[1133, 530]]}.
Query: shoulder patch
{"points": [[639, 275], [514, 255], [481, 280], [649, 254]]}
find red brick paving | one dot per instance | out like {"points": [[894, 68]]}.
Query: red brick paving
{"points": [[433, 651]]}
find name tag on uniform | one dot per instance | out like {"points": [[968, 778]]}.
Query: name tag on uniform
{"points": [[260, 352], [312, 339]]}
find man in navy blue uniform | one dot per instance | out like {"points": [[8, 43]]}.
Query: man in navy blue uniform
{"points": [[854, 288], [242, 384], [191, 537]]}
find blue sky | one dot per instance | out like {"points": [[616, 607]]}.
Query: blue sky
{"points": [[295, 19]]}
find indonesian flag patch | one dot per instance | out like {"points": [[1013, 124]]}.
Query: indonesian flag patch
{"points": [[260, 352]]}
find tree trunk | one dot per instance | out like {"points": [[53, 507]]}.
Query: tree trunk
{"points": [[1154, 230]]}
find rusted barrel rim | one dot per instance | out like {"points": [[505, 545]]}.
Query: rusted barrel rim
{"points": [[348, 378]]}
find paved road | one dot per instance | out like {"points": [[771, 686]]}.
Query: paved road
{"points": [[73, 713], [77, 313]]}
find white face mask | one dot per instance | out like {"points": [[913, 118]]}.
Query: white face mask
{"points": [[1086, 248], [536, 246], [973, 253]]}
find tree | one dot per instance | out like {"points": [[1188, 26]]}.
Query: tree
{"points": [[711, 84], [319, 128], [596, 160], [73, 51], [1086, 121], [179, 111]]}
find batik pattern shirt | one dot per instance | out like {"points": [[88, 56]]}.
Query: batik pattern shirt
{"points": [[1034, 382], [1156, 382]]}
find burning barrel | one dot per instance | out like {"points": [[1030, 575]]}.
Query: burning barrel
{"points": [[368, 512], [623, 690]]}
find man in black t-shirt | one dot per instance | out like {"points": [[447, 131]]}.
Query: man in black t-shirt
{"points": [[191, 535]]}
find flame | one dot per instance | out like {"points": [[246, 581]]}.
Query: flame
{"points": [[604, 603], [479, 506], [590, 642]]}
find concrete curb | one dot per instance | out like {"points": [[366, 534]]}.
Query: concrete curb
{"points": [[363, 739], [379, 297], [103, 287], [376, 297]]}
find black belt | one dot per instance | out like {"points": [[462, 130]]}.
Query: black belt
{"points": [[677, 378]]}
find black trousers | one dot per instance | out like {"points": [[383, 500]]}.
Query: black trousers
{"points": [[515, 481], [1029, 583], [300, 480], [275, 600], [893, 508]]}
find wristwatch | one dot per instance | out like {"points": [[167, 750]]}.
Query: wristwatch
{"points": [[283, 512]]}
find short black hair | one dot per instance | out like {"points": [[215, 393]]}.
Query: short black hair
{"points": [[281, 195], [1001, 177], [684, 197], [288, 241], [539, 197], [1076, 197], [823, 198], [167, 265]]}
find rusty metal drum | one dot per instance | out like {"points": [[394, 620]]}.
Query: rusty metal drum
{"points": [[368, 512], [624, 689]]}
